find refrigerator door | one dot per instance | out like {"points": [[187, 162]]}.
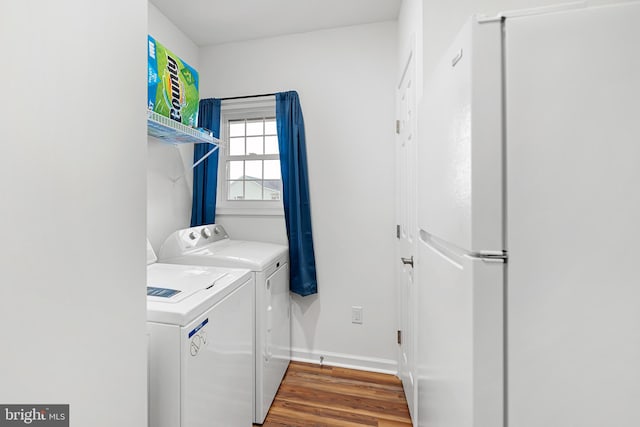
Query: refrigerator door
{"points": [[460, 159], [461, 336], [573, 137]]}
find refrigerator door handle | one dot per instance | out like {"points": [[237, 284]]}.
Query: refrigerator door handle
{"points": [[495, 259], [501, 258], [408, 261]]}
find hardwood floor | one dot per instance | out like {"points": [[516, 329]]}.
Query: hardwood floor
{"points": [[311, 395]]}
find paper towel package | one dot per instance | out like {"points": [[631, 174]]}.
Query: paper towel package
{"points": [[173, 85]]}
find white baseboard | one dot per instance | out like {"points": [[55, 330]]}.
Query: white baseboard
{"points": [[385, 366]]}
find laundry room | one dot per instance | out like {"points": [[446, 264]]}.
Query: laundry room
{"points": [[334, 69], [335, 72], [393, 139]]}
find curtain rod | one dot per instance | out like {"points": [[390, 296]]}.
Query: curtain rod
{"points": [[247, 96]]}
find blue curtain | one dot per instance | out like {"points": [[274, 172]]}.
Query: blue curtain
{"points": [[205, 175], [295, 182]]}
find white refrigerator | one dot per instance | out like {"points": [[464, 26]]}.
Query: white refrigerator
{"points": [[528, 262]]}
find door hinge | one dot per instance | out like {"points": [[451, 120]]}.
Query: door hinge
{"points": [[399, 337], [397, 231], [398, 127]]}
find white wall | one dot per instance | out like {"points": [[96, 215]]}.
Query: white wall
{"points": [[169, 176], [345, 78], [72, 184]]}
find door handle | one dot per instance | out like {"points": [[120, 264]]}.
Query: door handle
{"points": [[406, 261]]}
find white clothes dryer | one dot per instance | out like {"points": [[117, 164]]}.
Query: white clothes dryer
{"points": [[200, 326], [211, 245]]}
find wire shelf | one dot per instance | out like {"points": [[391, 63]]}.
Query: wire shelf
{"points": [[172, 132]]}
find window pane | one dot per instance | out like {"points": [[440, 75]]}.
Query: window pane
{"points": [[235, 170], [272, 169], [254, 127], [254, 145], [236, 146], [236, 128], [253, 169], [236, 190], [253, 190], [270, 145], [249, 176], [270, 127], [272, 190]]}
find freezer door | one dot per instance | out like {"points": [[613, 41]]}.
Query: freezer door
{"points": [[460, 162], [573, 138], [460, 338]]}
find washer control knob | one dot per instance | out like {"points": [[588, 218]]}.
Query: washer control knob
{"points": [[206, 233], [216, 230], [193, 235]]}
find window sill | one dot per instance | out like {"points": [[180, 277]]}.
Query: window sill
{"points": [[227, 211]]}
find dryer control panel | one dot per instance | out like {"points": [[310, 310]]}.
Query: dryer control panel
{"points": [[206, 233]]}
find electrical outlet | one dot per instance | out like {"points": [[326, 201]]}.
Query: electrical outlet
{"points": [[356, 314]]}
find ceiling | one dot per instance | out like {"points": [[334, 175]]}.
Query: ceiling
{"points": [[208, 22]]}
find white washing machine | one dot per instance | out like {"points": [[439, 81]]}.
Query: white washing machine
{"points": [[211, 245], [200, 325]]}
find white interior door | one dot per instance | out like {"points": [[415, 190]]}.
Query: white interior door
{"points": [[407, 228]]}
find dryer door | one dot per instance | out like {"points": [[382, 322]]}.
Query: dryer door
{"points": [[273, 336]]}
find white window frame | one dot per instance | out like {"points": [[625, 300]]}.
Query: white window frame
{"points": [[238, 110]]}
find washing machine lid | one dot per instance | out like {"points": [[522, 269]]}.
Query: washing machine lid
{"points": [[176, 294], [256, 256]]}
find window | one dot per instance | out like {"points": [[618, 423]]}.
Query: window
{"points": [[249, 166]]}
